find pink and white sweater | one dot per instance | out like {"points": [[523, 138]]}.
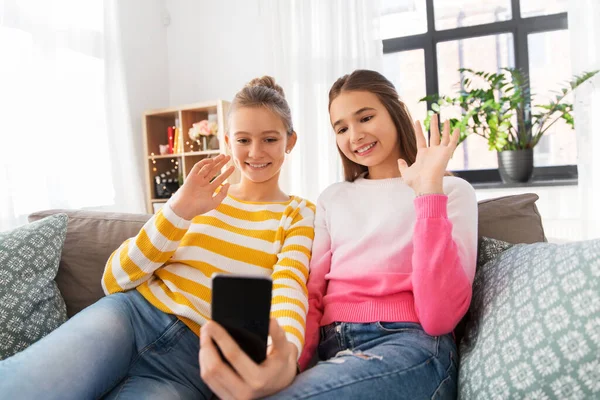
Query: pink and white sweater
{"points": [[382, 254]]}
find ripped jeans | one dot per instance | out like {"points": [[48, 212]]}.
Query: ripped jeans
{"points": [[380, 360]]}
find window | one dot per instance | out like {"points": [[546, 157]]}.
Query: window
{"points": [[557, 147], [459, 13], [403, 18], [52, 84], [407, 70], [534, 8], [481, 53], [425, 42]]}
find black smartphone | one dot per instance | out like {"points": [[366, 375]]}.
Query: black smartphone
{"points": [[242, 305]]}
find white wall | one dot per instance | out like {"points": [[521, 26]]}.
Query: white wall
{"points": [[214, 48], [144, 52]]}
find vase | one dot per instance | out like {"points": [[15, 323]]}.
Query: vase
{"points": [[204, 143], [213, 143], [515, 166]]}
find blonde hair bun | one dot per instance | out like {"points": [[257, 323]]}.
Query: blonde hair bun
{"points": [[266, 81]]}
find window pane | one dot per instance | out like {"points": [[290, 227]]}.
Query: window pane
{"points": [[406, 70], [403, 18], [532, 8], [549, 70], [458, 13], [486, 53]]}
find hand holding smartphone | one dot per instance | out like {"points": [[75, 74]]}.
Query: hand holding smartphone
{"points": [[242, 305]]}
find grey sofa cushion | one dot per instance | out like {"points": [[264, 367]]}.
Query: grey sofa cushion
{"points": [[487, 250], [92, 236], [31, 305]]}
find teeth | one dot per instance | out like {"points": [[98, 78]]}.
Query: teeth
{"points": [[258, 165], [363, 149]]}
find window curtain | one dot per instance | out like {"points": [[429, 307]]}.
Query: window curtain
{"points": [[585, 53], [312, 43], [65, 132]]}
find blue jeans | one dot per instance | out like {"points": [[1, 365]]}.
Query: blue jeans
{"points": [[121, 347], [382, 360]]}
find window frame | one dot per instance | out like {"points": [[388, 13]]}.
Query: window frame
{"points": [[520, 29]]}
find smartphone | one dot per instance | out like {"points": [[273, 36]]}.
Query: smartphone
{"points": [[242, 305]]}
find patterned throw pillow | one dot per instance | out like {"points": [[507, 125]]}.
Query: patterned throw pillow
{"points": [[30, 303], [489, 249], [534, 331]]}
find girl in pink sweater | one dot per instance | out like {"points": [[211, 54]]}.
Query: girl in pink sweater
{"points": [[393, 257]]}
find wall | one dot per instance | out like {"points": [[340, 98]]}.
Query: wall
{"points": [[144, 46], [214, 48]]}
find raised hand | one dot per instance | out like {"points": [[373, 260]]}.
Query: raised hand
{"points": [[425, 175], [197, 195]]}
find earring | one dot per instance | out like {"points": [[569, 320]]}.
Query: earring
{"points": [[288, 151]]}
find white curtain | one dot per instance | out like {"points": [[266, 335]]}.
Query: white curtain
{"points": [[59, 142], [311, 43], [585, 52]]}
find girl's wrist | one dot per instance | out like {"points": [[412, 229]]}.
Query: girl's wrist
{"points": [[180, 209], [432, 188]]}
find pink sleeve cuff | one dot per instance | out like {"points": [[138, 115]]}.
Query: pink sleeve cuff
{"points": [[431, 206]]}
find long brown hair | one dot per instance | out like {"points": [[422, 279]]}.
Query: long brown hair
{"points": [[373, 82]]}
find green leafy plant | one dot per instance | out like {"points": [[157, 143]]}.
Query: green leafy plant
{"points": [[498, 108]]}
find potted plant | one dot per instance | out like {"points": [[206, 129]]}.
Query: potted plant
{"points": [[496, 106]]}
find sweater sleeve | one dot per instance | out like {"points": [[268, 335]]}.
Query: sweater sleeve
{"points": [[317, 285], [289, 303], [444, 256], [137, 258]]}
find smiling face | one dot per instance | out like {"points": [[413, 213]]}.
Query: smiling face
{"points": [[365, 132], [258, 142]]}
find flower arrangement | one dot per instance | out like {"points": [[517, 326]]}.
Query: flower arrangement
{"points": [[203, 128]]}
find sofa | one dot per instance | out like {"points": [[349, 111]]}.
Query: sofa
{"points": [[93, 235], [504, 224]]}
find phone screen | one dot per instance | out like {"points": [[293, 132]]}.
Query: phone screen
{"points": [[242, 305]]}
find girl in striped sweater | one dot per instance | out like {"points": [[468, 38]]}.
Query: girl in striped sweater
{"points": [[141, 341]]}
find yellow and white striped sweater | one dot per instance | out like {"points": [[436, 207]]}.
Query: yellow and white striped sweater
{"points": [[171, 260]]}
